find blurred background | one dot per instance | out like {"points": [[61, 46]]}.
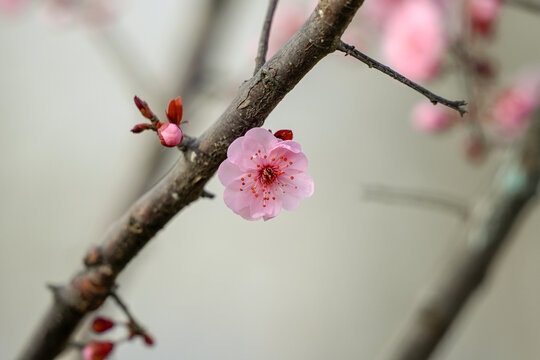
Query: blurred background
{"points": [[335, 279]]}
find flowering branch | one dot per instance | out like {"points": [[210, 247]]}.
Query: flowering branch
{"points": [[255, 99], [490, 227], [372, 63]]}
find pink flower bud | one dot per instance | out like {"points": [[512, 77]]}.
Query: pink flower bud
{"points": [[170, 135], [513, 108], [483, 14], [97, 350], [101, 324], [432, 119]]}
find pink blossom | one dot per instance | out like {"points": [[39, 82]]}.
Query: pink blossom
{"points": [[97, 350], [94, 13], [170, 134], [512, 109], [11, 6], [413, 41], [379, 11], [431, 118], [262, 174], [483, 14]]}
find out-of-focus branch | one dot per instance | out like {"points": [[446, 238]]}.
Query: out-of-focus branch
{"points": [[489, 229], [372, 63], [394, 195], [255, 99], [525, 4], [265, 34]]}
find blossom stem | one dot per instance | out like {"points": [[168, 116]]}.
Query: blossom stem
{"points": [[265, 34], [372, 63]]}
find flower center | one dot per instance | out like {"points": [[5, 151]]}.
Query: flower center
{"points": [[268, 175]]}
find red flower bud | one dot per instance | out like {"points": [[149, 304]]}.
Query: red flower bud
{"points": [[175, 111], [97, 350], [101, 324], [143, 108], [284, 134], [141, 127], [148, 340]]}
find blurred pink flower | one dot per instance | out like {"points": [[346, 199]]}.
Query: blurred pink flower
{"points": [[513, 108], [97, 350], [170, 135], [94, 13], [11, 6], [414, 41], [483, 14], [431, 118], [379, 11], [262, 174]]}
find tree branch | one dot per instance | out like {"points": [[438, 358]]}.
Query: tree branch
{"points": [[489, 230], [265, 34], [255, 99], [372, 63]]}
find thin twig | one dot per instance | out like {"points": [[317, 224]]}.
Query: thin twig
{"points": [[490, 228], [254, 101], [207, 194], [265, 34], [416, 198], [372, 63]]}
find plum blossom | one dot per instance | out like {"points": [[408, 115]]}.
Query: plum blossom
{"points": [[429, 118], [262, 174], [414, 41], [513, 108]]}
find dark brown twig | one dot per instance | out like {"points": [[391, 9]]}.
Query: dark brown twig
{"points": [[372, 63], [255, 99], [490, 227], [265, 34]]}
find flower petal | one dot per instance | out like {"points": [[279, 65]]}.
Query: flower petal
{"points": [[290, 202], [228, 172], [287, 159], [263, 137], [299, 185]]}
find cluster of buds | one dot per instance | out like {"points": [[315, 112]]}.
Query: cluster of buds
{"points": [[100, 350], [169, 133]]}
